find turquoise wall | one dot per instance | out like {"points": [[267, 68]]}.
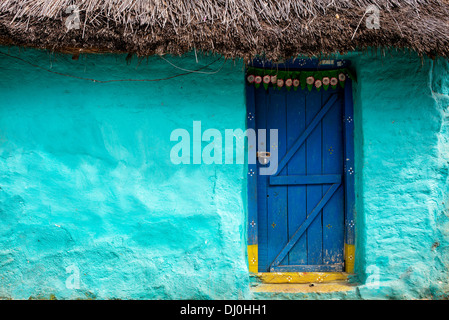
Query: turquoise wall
{"points": [[87, 182], [402, 118]]}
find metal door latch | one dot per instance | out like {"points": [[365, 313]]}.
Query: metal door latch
{"points": [[264, 157]]}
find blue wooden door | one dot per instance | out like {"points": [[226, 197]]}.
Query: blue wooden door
{"points": [[301, 207]]}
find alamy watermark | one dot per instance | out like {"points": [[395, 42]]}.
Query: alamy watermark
{"points": [[373, 279], [73, 20], [189, 150], [372, 13], [73, 280]]}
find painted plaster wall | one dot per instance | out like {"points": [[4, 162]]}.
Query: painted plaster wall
{"points": [[87, 182], [402, 106]]}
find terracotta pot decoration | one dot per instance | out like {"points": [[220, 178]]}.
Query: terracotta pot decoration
{"points": [[326, 82], [318, 84], [288, 83], [342, 78], [280, 83], [266, 81], [334, 82], [257, 81], [310, 81], [296, 83]]}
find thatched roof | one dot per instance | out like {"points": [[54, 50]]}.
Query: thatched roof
{"points": [[234, 28]]}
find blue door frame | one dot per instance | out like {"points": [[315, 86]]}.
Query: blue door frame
{"points": [[346, 180]]}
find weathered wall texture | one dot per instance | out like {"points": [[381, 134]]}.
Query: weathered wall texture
{"points": [[86, 180], [403, 174]]}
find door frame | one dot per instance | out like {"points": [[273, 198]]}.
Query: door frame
{"points": [[349, 194]]}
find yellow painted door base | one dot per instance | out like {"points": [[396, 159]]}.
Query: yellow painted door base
{"points": [[349, 258], [252, 258], [349, 251]]}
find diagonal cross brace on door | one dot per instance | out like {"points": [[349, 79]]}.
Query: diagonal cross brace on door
{"points": [[299, 232], [299, 142]]}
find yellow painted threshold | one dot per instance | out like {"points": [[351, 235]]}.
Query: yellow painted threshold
{"points": [[337, 286], [301, 277]]}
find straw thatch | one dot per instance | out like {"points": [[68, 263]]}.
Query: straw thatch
{"points": [[234, 28]]}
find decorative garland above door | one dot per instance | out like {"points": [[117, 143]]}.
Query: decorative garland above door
{"points": [[295, 79]]}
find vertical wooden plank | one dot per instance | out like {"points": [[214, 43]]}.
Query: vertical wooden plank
{"points": [[296, 194], [333, 212], [261, 100], [277, 195], [252, 223], [314, 192], [349, 177]]}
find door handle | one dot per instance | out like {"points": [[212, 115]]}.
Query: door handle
{"points": [[263, 156]]}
